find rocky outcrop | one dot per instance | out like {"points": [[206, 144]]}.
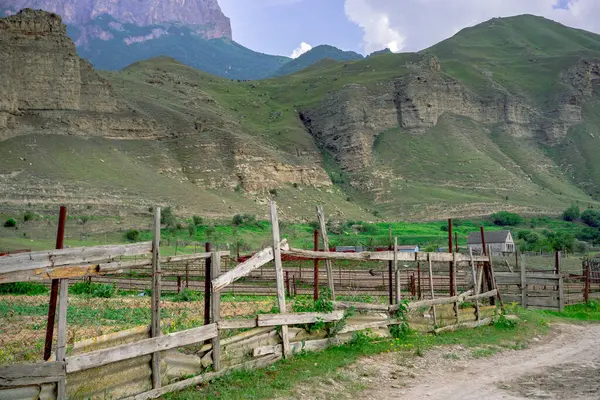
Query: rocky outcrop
{"points": [[44, 82], [347, 122], [204, 15]]}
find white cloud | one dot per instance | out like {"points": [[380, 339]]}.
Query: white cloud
{"points": [[303, 48], [411, 25]]}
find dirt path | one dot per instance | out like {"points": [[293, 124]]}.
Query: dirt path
{"points": [[566, 367]]}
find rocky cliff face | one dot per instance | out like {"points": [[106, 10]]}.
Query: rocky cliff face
{"points": [[205, 16], [46, 85]]}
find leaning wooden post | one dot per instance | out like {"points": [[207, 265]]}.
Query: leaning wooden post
{"points": [[431, 287], [391, 270], [330, 284], [279, 276], [316, 266], [216, 311], [397, 272], [451, 250], [60, 237], [155, 325], [523, 286], [475, 285], [61, 346], [207, 285]]}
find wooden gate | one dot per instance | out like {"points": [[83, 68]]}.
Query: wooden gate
{"points": [[532, 289]]}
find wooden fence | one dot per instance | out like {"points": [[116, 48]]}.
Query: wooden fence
{"points": [[266, 338]]}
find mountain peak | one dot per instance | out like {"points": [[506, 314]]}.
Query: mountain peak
{"points": [[205, 15]]}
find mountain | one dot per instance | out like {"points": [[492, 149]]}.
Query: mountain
{"points": [[503, 115], [113, 34], [315, 55]]}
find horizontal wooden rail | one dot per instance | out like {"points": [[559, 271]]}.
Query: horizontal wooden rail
{"points": [[256, 261], [32, 374], [384, 256], [72, 256], [238, 323], [298, 318], [195, 256], [143, 347]]}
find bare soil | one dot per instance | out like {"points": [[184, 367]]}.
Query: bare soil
{"points": [[562, 365], [565, 367]]}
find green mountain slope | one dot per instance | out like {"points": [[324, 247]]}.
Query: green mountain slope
{"points": [[504, 115], [315, 55]]}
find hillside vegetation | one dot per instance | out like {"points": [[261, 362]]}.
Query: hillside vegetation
{"points": [[503, 116]]}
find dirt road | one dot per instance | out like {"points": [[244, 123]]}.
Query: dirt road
{"points": [[565, 367]]}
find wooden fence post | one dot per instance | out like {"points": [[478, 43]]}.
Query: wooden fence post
{"points": [[586, 293], [316, 266], [60, 236], [475, 285], [216, 312], [397, 272], [523, 286], [330, 284], [155, 325], [431, 287], [61, 345], [279, 276], [207, 284]]}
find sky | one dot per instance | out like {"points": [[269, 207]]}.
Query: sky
{"points": [[292, 27]]}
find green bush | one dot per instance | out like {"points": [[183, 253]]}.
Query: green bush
{"points": [[93, 289], [10, 223], [192, 229], [27, 288], [133, 235], [273, 192], [167, 217], [572, 213], [187, 295], [29, 216], [505, 218], [246, 219], [198, 221], [591, 218]]}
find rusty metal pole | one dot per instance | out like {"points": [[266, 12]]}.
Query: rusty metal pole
{"points": [[316, 266], [207, 287], [451, 250], [60, 238], [456, 241]]}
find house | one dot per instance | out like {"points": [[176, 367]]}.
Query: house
{"points": [[497, 241]]}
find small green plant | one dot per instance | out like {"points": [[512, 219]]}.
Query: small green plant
{"points": [[10, 223], [191, 229], [93, 289], [572, 213], [29, 216], [401, 329], [505, 218], [187, 295], [198, 221], [273, 192], [23, 288], [295, 185], [133, 235], [84, 219]]}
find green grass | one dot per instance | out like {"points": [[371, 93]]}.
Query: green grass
{"points": [[282, 377], [579, 312]]}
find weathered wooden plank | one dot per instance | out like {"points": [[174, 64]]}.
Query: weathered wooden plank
{"points": [[216, 313], [398, 296], [442, 300], [296, 347], [197, 380], [475, 288], [328, 267], [381, 256], [561, 294], [32, 374], [238, 338], [540, 275], [279, 277], [523, 285], [432, 290], [454, 327], [61, 326], [513, 298], [190, 257], [476, 297], [345, 305], [543, 302], [256, 261], [298, 318], [155, 301], [71, 256], [239, 323], [140, 348], [368, 325]]}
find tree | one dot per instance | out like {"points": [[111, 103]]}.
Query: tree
{"points": [[505, 218], [591, 218], [572, 213], [133, 235], [167, 217], [192, 229], [561, 241]]}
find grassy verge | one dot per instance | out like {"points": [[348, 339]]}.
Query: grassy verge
{"points": [[281, 378]]}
